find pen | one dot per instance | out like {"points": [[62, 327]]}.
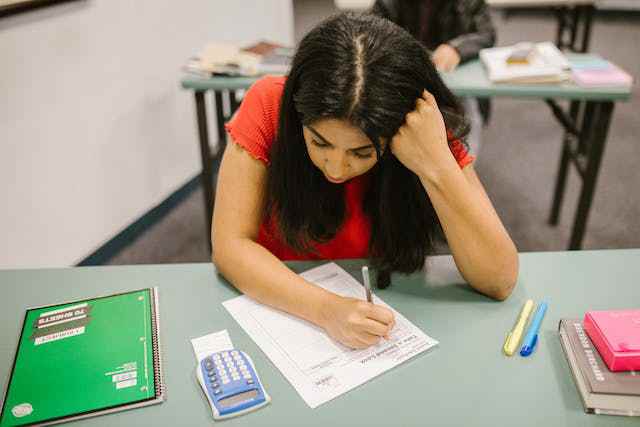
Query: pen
{"points": [[367, 283], [513, 339], [530, 340]]}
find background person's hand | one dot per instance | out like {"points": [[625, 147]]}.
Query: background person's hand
{"points": [[357, 323], [421, 142], [445, 58]]}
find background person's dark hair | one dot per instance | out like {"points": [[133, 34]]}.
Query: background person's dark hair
{"points": [[370, 72]]}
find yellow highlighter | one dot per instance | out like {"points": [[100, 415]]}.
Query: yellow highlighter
{"points": [[513, 339]]}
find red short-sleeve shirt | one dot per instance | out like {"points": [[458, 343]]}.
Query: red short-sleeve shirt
{"points": [[254, 128]]}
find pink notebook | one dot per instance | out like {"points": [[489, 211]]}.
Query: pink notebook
{"points": [[602, 77], [616, 335]]}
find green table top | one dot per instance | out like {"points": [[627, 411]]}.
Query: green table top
{"points": [[469, 79], [464, 381]]}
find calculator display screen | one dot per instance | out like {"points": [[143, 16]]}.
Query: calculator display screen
{"points": [[238, 398]]}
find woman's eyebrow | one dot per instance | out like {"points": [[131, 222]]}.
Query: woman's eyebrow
{"points": [[323, 139], [363, 147], [320, 137]]}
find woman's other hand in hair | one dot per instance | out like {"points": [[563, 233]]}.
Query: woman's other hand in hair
{"points": [[356, 323], [421, 142], [445, 58]]}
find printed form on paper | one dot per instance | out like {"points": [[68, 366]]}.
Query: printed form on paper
{"points": [[318, 367]]}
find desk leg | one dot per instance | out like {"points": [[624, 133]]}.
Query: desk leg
{"points": [[222, 134], [561, 16], [575, 23], [598, 138], [205, 156], [233, 102], [563, 170], [588, 12], [571, 19]]}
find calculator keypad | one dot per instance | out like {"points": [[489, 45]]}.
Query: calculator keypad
{"points": [[231, 384], [227, 369]]}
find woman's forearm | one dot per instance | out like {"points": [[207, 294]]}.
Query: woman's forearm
{"points": [[257, 273], [481, 247]]}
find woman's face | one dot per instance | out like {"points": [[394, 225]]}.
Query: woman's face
{"points": [[339, 149]]}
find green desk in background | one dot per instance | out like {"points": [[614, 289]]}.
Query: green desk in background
{"points": [[464, 381], [586, 123]]}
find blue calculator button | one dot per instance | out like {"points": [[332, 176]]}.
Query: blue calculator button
{"points": [[249, 381], [217, 391]]}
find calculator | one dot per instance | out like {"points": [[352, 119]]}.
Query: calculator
{"points": [[231, 384]]}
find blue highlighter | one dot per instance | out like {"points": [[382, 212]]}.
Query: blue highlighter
{"points": [[531, 339]]}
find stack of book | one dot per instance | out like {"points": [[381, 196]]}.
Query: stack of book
{"points": [[602, 391], [594, 71], [526, 63], [230, 60]]}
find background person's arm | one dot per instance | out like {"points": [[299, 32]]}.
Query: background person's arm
{"points": [[481, 34], [256, 272]]}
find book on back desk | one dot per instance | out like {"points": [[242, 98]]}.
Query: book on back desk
{"points": [[601, 391]]}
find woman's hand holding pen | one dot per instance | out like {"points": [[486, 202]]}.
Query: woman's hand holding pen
{"points": [[356, 323], [421, 142]]}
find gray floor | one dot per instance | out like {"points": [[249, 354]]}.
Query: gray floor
{"points": [[517, 163]]}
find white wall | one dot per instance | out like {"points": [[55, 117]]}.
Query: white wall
{"points": [[94, 127]]}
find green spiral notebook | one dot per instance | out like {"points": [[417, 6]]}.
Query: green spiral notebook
{"points": [[85, 358]]}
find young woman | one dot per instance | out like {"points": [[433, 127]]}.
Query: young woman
{"points": [[350, 157]]}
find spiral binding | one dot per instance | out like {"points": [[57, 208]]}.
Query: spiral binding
{"points": [[155, 337]]}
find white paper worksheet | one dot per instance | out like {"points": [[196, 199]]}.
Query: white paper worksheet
{"points": [[318, 367]]}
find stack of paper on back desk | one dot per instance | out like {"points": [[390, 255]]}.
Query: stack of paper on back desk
{"points": [[231, 60], [545, 64], [525, 63], [319, 368]]}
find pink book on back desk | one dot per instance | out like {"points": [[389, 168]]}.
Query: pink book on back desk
{"points": [[607, 76], [616, 335]]}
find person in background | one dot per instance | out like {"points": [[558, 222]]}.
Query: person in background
{"points": [[454, 31], [356, 153]]}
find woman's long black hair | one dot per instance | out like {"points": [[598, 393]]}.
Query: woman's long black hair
{"points": [[370, 72]]}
